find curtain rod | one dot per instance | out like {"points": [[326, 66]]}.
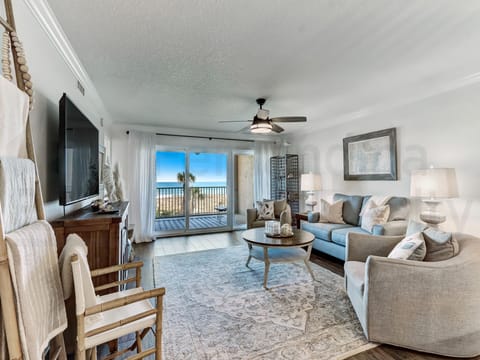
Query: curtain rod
{"points": [[201, 137]]}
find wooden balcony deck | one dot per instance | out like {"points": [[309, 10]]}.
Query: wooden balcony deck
{"points": [[196, 222]]}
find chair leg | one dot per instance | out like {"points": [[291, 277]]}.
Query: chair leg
{"points": [[139, 342], [80, 354], [158, 329], [267, 267]]}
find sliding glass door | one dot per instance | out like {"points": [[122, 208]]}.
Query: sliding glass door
{"points": [[192, 192], [170, 212]]}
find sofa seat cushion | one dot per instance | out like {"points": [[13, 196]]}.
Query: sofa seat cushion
{"points": [[339, 236], [355, 275], [323, 230]]}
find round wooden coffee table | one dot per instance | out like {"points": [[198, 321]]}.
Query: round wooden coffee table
{"points": [[277, 250]]}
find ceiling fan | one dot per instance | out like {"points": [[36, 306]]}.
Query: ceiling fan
{"points": [[262, 124]]}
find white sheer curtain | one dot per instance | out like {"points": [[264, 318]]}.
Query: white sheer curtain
{"points": [[263, 152], [141, 183]]}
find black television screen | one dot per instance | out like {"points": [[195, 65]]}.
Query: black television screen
{"points": [[78, 154]]}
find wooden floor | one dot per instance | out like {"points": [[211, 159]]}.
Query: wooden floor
{"points": [[175, 245]]}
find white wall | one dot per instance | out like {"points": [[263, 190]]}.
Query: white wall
{"points": [[51, 77], [443, 131]]}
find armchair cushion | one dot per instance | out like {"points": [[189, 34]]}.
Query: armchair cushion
{"points": [[411, 248], [265, 210], [440, 245]]}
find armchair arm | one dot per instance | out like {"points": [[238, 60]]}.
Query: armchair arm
{"points": [[137, 265], [115, 268], [251, 217], [433, 305], [391, 228], [313, 217], [117, 303], [360, 246]]}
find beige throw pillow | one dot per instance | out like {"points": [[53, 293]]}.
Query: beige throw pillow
{"points": [[411, 248], [278, 206], [374, 215], [265, 210], [331, 213]]}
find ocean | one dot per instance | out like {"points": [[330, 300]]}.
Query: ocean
{"points": [[195, 184]]}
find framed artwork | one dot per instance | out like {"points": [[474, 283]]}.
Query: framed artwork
{"points": [[371, 156]]}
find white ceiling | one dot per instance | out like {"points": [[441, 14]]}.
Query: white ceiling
{"points": [[191, 63]]}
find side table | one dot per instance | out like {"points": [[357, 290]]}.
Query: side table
{"points": [[300, 216]]}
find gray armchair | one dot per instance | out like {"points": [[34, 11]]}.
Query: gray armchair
{"points": [[425, 306], [253, 222]]}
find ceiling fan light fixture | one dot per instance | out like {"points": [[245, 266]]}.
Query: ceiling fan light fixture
{"points": [[260, 126]]}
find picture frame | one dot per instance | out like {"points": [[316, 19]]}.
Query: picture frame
{"points": [[371, 156]]}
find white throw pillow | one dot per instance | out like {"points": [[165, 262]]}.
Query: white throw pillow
{"points": [[411, 248], [331, 213], [374, 215], [265, 210]]}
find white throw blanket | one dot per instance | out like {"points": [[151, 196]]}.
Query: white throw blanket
{"points": [[17, 193], [76, 246], [32, 257], [13, 120]]}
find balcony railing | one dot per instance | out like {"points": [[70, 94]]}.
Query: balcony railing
{"points": [[204, 200]]}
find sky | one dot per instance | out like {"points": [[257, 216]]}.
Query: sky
{"points": [[207, 167]]}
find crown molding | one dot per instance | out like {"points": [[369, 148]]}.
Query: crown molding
{"points": [[46, 18]]}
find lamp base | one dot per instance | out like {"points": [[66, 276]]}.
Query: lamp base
{"points": [[431, 215], [310, 201]]}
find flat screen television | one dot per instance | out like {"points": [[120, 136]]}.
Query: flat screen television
{"points": [[78, 154]]}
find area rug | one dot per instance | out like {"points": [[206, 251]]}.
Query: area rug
{"points": [[216, 308]]}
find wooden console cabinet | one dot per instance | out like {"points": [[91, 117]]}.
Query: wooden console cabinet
{"points": [[105, 236]]}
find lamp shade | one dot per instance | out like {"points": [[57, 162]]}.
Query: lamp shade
{"points": [[310, 182], [434, 183]]}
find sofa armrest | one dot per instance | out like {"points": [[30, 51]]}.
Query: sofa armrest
{"points": [[419, 298], [360, 246], [251, 217], [391, 228], [313, 217]]}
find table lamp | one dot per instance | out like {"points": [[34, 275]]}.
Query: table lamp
{"points": [[432, 185], [310, 183]]}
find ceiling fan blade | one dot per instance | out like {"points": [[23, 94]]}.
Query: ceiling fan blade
{"points": [[234, 121], [289, 119], [276, 128], [245, 130]]}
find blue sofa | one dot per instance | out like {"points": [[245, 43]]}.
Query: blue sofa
{"points": [[331, 238]]}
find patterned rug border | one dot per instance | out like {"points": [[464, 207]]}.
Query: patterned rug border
{"points": [[343, 356]]}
